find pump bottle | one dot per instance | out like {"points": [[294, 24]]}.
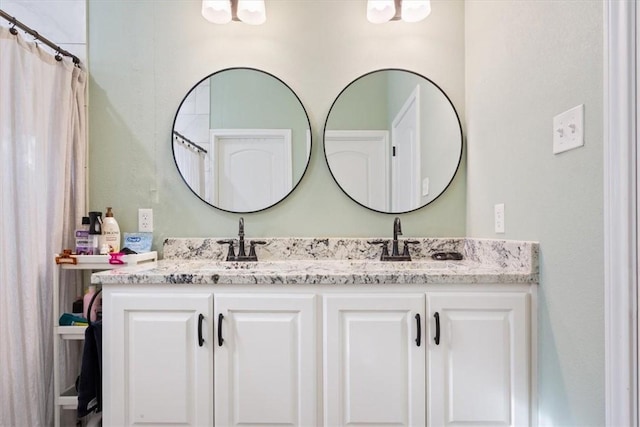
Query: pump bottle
{"points": [[111, 232]]}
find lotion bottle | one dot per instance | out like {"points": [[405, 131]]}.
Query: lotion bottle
{"points": [[111, 231]]}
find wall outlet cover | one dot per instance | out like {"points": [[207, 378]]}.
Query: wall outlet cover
{"points": [[498, 214], [145, 220]]}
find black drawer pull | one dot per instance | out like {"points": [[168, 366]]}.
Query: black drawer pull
{"points": [[220, 340], [200, 338], [419, 337], [437, 337]]}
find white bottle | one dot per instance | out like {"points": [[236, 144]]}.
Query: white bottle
{"points": [[111, 231]]}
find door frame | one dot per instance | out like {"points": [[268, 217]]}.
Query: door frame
{"points": [[412, 99], [620, 214]]}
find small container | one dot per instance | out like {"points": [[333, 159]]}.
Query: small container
{"points": [[95, 231], [84, 243]]}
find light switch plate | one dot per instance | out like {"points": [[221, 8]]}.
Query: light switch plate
{"points": [[568, 130], [498, 215]]}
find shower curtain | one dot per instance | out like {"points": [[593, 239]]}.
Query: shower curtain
{"points": [[42, 198]]}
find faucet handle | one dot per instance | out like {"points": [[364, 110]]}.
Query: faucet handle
{"points": [[252, 247], [231, 254], [406, 246], [384, 244]]}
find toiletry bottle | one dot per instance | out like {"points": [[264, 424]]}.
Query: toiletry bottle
{"points": [[95, 231], [94, 307], [111, 231], [83, 240]]}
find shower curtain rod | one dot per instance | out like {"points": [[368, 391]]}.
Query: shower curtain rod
{"points": [[188, 141], [34, 33]]}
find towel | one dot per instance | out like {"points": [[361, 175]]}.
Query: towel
{"points": [[89, 383]]}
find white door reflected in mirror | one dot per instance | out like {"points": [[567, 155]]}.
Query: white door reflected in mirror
{"points": [[424, 137], [241, 140]]}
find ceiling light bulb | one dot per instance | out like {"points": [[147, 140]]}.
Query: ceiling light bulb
{"points": [[415, 10], [217, 11], [380, 11], [252, 12]]}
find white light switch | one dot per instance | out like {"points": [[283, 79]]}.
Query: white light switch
{"points": [[568, 130], [425, 187], [498, 215]]}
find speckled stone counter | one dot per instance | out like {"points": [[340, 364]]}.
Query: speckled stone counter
{"points": [[334, 261]]}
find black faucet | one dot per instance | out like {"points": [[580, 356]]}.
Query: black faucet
{"points": [[242, 255], [397, 229], [395, 252]]}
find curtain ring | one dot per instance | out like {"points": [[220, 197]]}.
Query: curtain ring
{"points": [[13, 30], [58, 56]]}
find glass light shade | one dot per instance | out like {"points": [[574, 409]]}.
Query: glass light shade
{"points": [[217, 11], [380, 11], [415, 10], [252, 12]]}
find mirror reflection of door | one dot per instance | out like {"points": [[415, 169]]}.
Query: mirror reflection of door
{"points": [[425, 140], [241, 140], [251, 168], [405, 138], [360, 160]]}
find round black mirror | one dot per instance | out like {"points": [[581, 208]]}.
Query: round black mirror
{"points": [[241, 140], [393, 141]]}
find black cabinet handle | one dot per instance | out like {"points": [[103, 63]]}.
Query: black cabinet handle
{"points": [[418, 338], [437, 337], [220, 340], [200, 339]]}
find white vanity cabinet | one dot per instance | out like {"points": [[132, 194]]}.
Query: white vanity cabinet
{"points": [[265, 360], [319, 355], [374, 360], [479, 359], [158, 358]]}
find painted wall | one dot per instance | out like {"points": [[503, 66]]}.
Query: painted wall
{"points": [[527, 61], [141, 71]]}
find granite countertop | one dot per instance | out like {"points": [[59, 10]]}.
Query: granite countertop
{"points": [[333, 261]]}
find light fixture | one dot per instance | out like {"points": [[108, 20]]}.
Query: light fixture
{"points": [[381, 11], [251, 12]]}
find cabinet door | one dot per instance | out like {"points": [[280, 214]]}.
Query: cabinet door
{"points": [[265, 365], [374, 370], [479, 372], [157, 372]]}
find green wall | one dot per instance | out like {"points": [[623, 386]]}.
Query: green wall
{"points": [[528, 61], [141, 71]]}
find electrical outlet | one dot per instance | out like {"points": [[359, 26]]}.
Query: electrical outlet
{"points": [[425, 187], [498, 215], [145, 220]]}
